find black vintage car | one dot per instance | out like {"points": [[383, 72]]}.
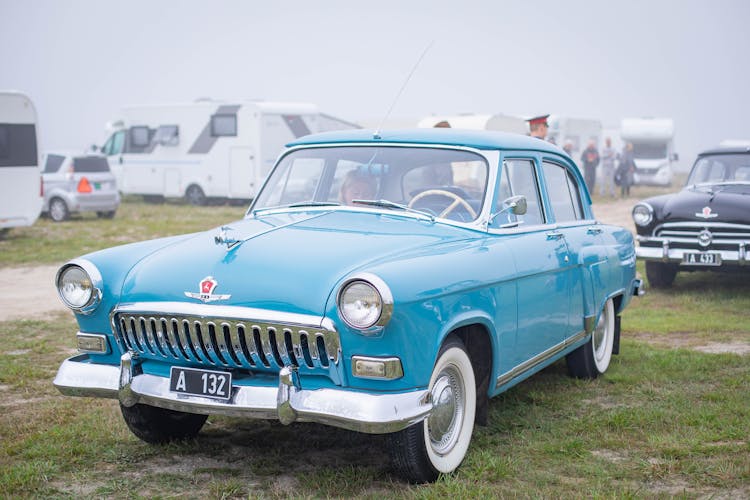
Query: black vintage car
{"points": [[704, 227]]}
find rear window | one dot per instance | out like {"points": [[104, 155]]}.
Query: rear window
{"points": [[90, 164], [18, 145]]}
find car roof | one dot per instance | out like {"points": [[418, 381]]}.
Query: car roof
{"points": [[726, 150], [479, 139]]}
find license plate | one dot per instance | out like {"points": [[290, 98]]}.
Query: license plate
{"points": [[701, 259], [206, 383], [97, 186]]}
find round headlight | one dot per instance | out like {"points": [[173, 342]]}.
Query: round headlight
{"points": [[643, 214], [360, 304], [77, 289]]}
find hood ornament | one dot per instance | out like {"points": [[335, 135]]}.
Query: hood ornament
{"points": [[207, 286], [223, 239], [706, 213]]}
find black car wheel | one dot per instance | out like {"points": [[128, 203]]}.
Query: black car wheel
{"points": [[438, 444], [592, 358], [159, 425], [106, 215], [58, 210], [660, 275], [195, 195]]}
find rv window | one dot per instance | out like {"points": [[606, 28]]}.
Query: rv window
{"points": [[18, 145], [140, 137], [53, 163], [167, 135], [223, 125]]}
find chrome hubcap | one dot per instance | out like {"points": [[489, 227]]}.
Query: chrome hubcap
{"points": [[447, 411], [600, 336]]}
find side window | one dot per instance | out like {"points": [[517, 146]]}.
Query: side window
{"points": [[563, 193], [167, 135], [223, 125], [140, 137], [53, 163], [519, 178], [18, 145]]}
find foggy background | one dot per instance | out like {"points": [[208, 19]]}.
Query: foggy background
{"points": [[81, 61]]}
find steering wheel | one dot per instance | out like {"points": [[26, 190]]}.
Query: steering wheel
{"points": [[457, 200]]}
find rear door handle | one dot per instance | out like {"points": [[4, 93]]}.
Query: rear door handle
{"points": [[554, 235], [594, 230]]}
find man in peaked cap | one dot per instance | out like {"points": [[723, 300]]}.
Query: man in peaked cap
{"points": [[538, 126]]}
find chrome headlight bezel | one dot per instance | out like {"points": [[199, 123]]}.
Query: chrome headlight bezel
{"points": [[643, 214], [382, 301], [89, 279]]}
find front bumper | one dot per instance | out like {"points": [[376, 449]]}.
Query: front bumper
{"points": [[357, 411], [665, 253]]}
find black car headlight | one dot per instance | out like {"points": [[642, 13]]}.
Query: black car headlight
{"points": [[79, 286], [643, 214], [365, 302]]}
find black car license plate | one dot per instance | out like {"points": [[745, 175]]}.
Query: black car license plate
{"points": [[701, 259], [206, 383]]}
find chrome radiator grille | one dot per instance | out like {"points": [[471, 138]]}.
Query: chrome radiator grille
{"points": [[227, 342], [722, 235]]}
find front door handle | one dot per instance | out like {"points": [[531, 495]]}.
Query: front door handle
{"points": [[554, 235], [594, 230]]}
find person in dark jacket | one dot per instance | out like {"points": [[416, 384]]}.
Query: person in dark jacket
{"points": [[625, 170], [590, 160]]}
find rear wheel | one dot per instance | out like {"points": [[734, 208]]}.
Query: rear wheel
{"points": [[422, 452], [158, 425], [592, 359], [195, 195], [106, 215], [58, 210], [660, 275]]}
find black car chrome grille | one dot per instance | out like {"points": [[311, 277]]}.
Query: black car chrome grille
{"points": [[227, 342], [723, 236]]}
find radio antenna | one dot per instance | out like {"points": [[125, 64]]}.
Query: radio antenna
{"points": [[376, 135]]}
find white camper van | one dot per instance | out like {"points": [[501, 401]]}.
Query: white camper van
{"points": [[577, 131], [206, 149], [653, 148], [501, 122], [20, 179]]}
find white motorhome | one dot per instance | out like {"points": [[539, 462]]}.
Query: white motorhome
{"points": [[653, 148], [504, 123], [576, 131], [206, 149], [20, 178]]}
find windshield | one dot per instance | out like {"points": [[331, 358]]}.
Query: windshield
{"points": [[441, 182], [720, 168], [649, 151]]}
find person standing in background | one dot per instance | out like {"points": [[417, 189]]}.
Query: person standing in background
{"points": [[608, 157], [626, 169], [590, 160]]}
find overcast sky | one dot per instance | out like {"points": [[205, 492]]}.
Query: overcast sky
{"points": [[81, 61]]}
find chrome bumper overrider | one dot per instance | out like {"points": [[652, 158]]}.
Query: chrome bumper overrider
{"points": [[357, 411]]}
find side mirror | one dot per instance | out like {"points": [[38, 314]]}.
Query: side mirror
{"points": [[515, 205], [94, 148]]}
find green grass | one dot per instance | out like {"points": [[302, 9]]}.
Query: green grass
{"points": [[666, 420]]}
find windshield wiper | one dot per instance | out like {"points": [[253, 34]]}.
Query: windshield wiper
{"points": [[314, 204], [395, 206]]}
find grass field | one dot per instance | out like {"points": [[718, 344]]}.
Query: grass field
{"points": [[670, 418]]}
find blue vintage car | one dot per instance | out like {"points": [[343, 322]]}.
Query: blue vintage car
{"points": [[384, 282]]}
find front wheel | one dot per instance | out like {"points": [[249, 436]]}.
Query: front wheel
{"points": [[158, 425], [422, 452], [660, 275], [592, 358], [195, 195]]}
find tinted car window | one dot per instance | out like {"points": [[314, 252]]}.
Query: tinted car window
{"points": [[88, 164], [18, 145], [53, 163], [563, 193]]}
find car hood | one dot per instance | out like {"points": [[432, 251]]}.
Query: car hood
{"points": [[289, 262], [708, 204]]}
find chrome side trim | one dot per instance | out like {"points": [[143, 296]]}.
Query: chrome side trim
{"points": [[539, 359], [347, 409]]}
